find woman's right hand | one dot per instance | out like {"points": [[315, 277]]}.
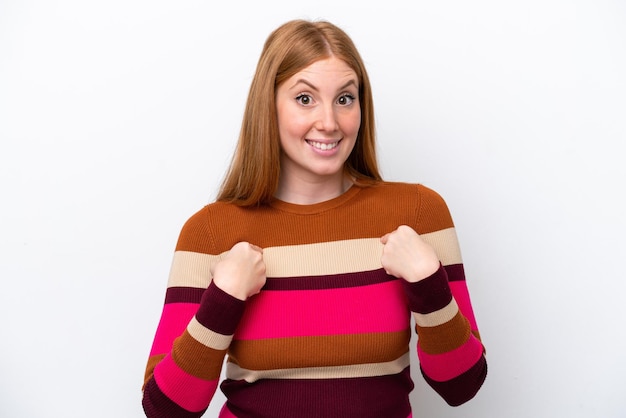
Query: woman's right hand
{"points": [[241, 273]]}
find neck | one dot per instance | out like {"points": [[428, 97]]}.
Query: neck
{"points": [[308, 193]]}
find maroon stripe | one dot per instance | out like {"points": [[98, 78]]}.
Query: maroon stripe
{"points": [[157, 405], [366, 397], [219, 311], [331, 281], [429, 295], [462, 388], [455, 272], [183, 295]]}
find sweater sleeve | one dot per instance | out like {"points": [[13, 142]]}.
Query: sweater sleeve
{"points": [[452, 356], [195, 330]]}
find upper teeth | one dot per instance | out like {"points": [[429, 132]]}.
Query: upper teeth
{"points": [[323, 146]]}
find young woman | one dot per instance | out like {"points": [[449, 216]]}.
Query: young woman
{"points": [[305, 271]]}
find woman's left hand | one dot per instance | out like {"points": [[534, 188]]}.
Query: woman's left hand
{"points": [[407, 256]]}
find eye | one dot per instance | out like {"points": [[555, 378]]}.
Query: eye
{"points": [[304, 99], [345, 99]]}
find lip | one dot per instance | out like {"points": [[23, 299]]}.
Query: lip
{"points": [[325, 145]]}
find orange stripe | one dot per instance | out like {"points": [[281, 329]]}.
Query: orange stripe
{"points": [[204, 363], [434, 214], [152, 362], [391, 204], [432, 340], [319, 351]]}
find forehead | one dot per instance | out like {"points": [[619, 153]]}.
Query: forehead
{"points": [[327, 68]]}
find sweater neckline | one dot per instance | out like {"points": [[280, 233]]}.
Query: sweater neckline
{"points": [[316, 207]]}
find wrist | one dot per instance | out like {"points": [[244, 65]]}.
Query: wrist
{"points": [[227, 286], [423, 271], [220, 311], [429, 294]]}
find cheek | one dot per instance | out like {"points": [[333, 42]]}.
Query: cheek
{"points": [[292, 124], [352, 123]]}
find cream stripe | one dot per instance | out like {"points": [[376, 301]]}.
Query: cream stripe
{"points": [[208, 337], [323, 258], [235, 372], [439, 317], [191, 269], [445, 244]]}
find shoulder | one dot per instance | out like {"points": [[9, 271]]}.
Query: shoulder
{"points": [[433, 212], [430, 209], [198, 232], [401, 190]]}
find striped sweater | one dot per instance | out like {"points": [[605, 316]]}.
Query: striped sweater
{"points": [[328, 335]]}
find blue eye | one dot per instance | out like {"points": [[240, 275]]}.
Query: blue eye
{"points": [[304, 99]]}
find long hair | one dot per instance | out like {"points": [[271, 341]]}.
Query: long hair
{"points": [[254, 171]]}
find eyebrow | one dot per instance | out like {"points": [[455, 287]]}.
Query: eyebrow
{"points": [[303, 81]]}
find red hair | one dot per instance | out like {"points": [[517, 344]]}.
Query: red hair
{"points": [[254, 171]]}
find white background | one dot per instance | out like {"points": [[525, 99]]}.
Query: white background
{"points": [[118, 119]]}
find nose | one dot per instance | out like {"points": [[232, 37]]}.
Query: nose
{"points": [[327, 118]]}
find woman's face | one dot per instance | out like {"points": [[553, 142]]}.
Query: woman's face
{"points": [[319, 116]]}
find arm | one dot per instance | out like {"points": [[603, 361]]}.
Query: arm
{"points": [[203, 306], [451, 354], [182, 374]]}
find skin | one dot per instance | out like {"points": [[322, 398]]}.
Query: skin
{"points": [[319, 116], [406, 255], [241, 273]]}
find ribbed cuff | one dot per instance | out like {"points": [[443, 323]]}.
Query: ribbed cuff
{"points": [[219, 311], [430, 294]]}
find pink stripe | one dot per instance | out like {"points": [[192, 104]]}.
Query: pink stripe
{"points": [[461, 295], [225, 413], [187, 391], [174, 321], [375, 308], [446, 366]]}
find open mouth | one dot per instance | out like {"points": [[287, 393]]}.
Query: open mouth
{"points": [[323, 146]]}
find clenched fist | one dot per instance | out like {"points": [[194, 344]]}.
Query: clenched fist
{"points": [[407, 256], [241, 273]]}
